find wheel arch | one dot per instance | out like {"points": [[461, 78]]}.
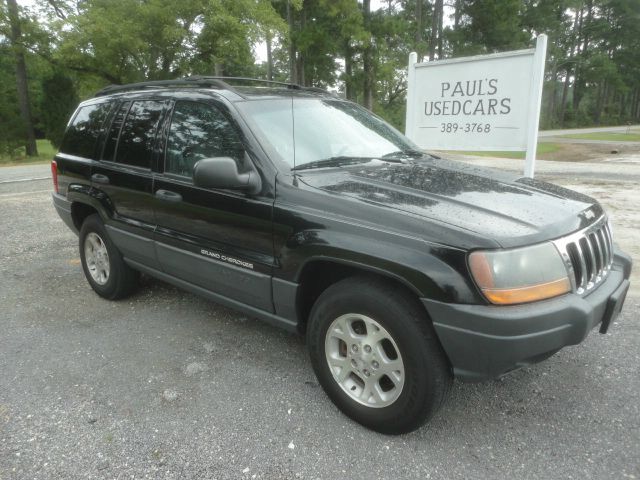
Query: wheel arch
{"points": [[79, 212], [85, 202], [317, 274]]}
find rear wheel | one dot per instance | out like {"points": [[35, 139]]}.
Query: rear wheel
{"points": [[376, 355], [103, 266]]}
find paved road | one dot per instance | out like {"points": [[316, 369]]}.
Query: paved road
{"points": [[627, 144], [572, 131], [21, 173], [167, 385], [616, 168]]}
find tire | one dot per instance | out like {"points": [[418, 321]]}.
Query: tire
{"points": [[360, 324], [102, 263]]}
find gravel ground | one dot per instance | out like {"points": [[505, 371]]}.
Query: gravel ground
{"points": [[167, 385]]}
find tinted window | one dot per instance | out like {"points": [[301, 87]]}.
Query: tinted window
{"points": [[199, 131], [80, 137], [305, 130], [112, 138], [138, 134]]}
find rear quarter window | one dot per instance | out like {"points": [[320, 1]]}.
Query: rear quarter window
{"points": [[83, 131]]}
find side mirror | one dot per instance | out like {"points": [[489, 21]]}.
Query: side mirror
{"points": [[222, 172]]}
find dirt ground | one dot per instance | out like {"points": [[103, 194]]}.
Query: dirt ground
{"points": [[620, 200], [590, 152]]}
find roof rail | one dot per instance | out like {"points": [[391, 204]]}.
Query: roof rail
{"points": [[181, 82], [293, 86], [202, 81]]}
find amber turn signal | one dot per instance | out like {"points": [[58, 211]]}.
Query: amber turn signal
{"points": [[527, 294]]}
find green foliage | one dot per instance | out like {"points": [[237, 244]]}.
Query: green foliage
{"points": [[11, 127], [59, 100], [543, 149], [46, 152], [492, 26], [632, 136], [73, 48]]}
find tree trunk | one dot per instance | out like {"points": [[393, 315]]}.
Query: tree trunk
{"points": [[31, 148], [301, 80], [565, 90], [584, 28], [367, 63], [300, 65], [348, 71], [433, 41], [440, 22], [418, 46], [599, 102], [551, 106], [293, 75], [269, 56]]}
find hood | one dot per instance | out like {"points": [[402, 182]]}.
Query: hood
{"points": [[496, 205]]}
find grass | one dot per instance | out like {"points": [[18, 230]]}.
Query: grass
{"points": [[46, 152], [543, 148], [633, 136]]}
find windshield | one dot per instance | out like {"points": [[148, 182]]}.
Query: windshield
{"points": [[315, 131]]}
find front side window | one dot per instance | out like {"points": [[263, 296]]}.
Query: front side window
{"points": [[82, 134], [199, 131], [138, 133]]}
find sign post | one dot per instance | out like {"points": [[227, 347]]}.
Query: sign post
{"points": [[537, 80], [483, 103]]}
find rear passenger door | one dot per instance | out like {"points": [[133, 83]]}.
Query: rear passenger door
{"points": [[79, 145], [218, 239], [124, 177]]}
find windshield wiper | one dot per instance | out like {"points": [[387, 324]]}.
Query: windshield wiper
{"points": [[409, 152], [345, 160], [333, 162]]}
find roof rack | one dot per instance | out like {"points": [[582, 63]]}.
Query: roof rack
{"points": [[181, 82], [293, 86], [202, 81]]}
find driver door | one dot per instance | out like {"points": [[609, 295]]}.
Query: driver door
{"points": [[217, 239]]}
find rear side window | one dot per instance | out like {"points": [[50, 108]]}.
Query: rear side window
{"points": [[82, 134], [199, 131], [137, 133], [112, 138]]}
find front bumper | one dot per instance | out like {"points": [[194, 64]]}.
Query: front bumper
{"points": [[484, 342]]}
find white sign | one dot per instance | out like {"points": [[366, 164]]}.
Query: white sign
{"points": [[487, 102]]}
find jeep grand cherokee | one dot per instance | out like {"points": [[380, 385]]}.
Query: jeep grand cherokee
{"points": [[402, 269]]}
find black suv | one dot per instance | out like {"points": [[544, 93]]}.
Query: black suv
{"points": [[311, 213]]}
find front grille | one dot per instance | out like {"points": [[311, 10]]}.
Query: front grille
{"points": [[588, 255]]}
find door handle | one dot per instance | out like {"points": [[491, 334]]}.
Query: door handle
{"points": [[168, 196], [99, 178]]}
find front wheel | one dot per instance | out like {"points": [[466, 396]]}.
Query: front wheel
{"points": [[376, 355]]}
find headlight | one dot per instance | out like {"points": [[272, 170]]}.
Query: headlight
{"points": [[520, 275]]}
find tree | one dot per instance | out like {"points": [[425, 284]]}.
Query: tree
{"points": [[367, 64], [22, 87], [59, 99], [436, 29]]}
